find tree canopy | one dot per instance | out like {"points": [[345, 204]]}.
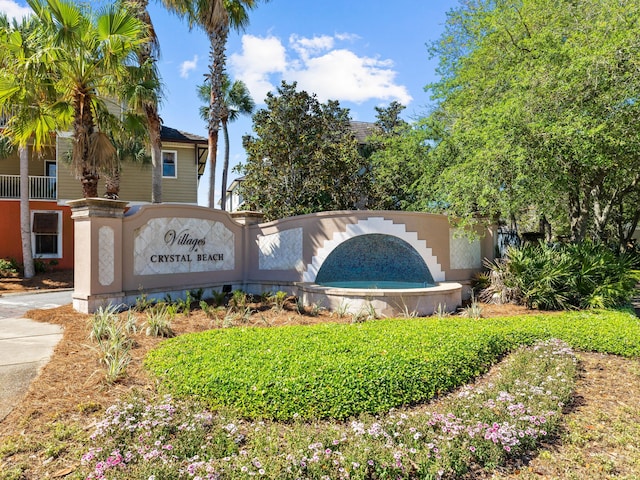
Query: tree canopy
{"points": [[304, 157], [538, 103]]}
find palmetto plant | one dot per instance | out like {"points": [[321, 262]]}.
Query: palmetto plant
{"points": [[581, 275]]}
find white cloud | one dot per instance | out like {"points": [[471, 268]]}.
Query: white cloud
{"points": [[318, 66], [342, 75], [13, 9], [187, 66], [260, 58], [305, 47], [350, 37]]}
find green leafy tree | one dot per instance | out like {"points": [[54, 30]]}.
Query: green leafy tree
{"points": [[215, 17], [89, 56], [539, 100], [236, 101], [398, 162], [304, 157], [388, 118]]}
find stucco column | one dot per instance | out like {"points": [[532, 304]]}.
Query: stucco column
{"points": [[245, 217], [97, 252]]}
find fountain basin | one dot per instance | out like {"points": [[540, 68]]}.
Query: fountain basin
{"points": [[387, 302]]}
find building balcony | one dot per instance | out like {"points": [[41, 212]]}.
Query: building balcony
{"points": [[40, 187]]}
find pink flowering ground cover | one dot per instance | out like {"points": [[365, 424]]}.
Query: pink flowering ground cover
{"points": [[479, 427]]}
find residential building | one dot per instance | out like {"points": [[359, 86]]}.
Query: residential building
{"points": [[233, 199], [52, 184]]}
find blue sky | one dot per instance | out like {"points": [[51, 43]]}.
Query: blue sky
{"points": [[362, 53]]}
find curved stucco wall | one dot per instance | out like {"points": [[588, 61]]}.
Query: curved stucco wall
{"points": [[173, 248]]}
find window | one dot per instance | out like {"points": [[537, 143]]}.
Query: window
{"points": [[169, 164], [46, 231]]}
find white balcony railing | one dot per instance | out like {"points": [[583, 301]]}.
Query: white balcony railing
{"points": [[40, 188]]}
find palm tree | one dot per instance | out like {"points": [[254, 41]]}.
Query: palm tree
{"points": [[236, 101], [90, 56], [147, 96], [215, 17], [24, 87]]}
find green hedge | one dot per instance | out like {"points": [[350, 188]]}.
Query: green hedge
{"points": [[336, 371]]}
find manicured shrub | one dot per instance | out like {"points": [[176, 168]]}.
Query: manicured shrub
{"points": [[326, 370], [581, 275], [336, 371]]}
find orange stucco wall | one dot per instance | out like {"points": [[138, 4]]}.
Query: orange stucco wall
{"points": [[10, 242]]}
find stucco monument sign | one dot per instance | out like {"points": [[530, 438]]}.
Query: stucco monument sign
{"points": [[121, 253]]}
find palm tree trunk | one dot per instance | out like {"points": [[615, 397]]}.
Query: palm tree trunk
{"points": [[112, 185], [211, 160], [218, 39], [225, 166], [153, 121], [25, 213], [151, 108], [83, 126]]}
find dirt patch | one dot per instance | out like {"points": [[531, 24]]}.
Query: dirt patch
{"points": [[54, 280]]}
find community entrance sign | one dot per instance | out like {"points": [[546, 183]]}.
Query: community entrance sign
{"points": [[155, 250]]}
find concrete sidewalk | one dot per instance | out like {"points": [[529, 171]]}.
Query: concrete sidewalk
{"points": [[25, 347]]}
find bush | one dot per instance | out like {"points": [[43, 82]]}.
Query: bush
{"points": [[159, 318], [326, 370], [336, 371], [8, 267], [111, 333], [582, 275]]}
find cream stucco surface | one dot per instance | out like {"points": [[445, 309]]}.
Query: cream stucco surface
{"points": [[281, 250]]}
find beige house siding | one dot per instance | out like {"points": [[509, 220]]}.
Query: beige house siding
{"points": [[135, 179], [69, 186], [183, 188], [11, 165]]}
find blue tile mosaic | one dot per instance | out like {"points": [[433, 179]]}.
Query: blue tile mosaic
{"points": [[367, 259]]}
